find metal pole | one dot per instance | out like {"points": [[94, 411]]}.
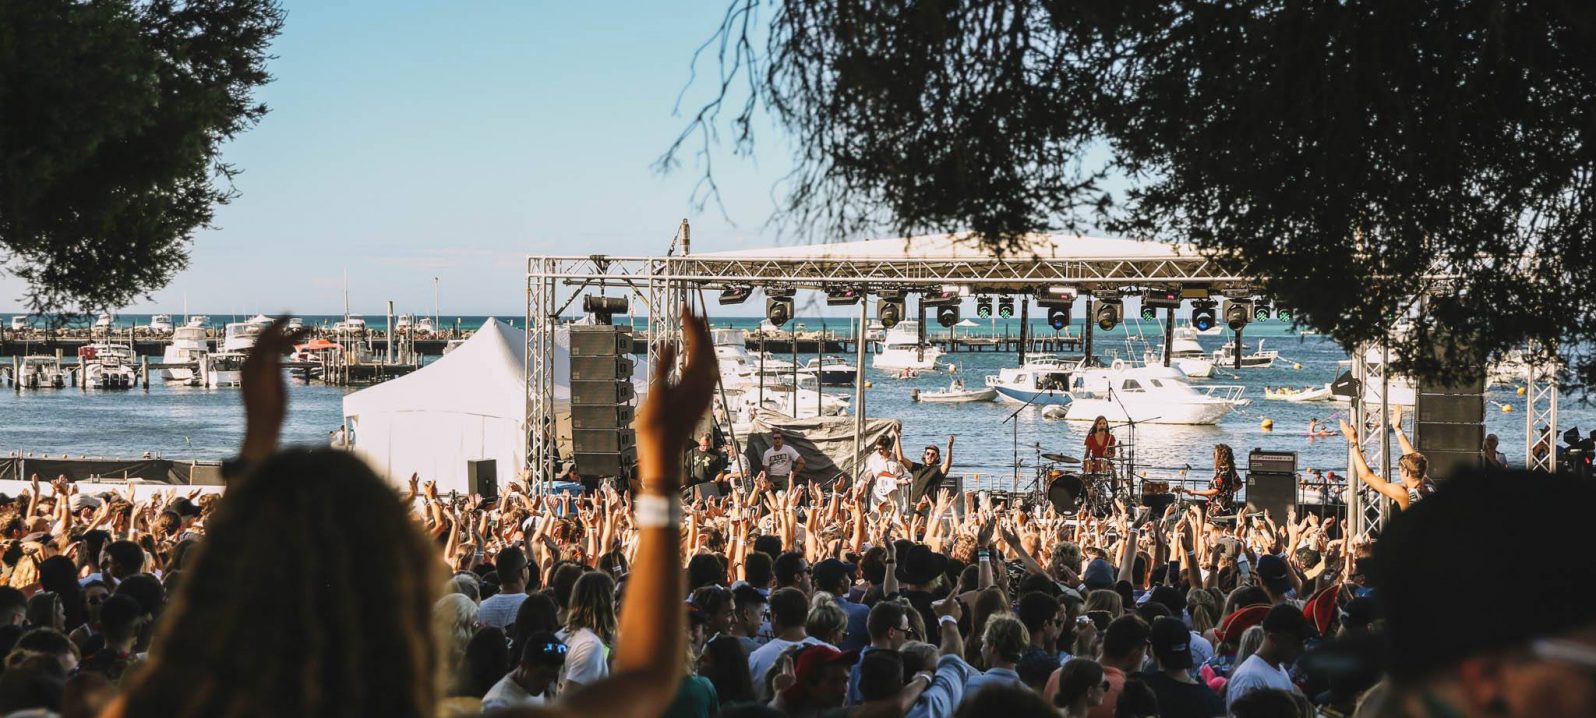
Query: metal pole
{"points": [[388, 335], [1169, 334], [1235, 350], [859, 384], [1353, 493], [1086, 334], [1025, 323]]}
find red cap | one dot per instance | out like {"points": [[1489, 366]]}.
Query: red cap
{"points": [[1322, 608], [810, 661], [1241, 619]]}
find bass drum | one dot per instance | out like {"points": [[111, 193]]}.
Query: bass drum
{"points": [[1065, 491]]}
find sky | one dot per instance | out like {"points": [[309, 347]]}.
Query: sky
{"points": [[413, 139]]}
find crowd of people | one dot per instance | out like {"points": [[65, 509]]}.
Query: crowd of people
{"points": [[313, 588]]}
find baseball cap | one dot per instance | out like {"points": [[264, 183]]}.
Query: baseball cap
{"points": [[1272, 570], [1171, 643], [811, 660], [1288, 619], [1099, 574], [827, 572]]}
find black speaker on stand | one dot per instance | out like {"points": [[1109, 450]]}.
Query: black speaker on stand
{"points": [[482, 478]]}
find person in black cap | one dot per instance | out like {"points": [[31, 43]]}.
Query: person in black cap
{"points": [[836, 578], [1537, 656], [1286, 631], [1179, 695], [1275, 576], [918, 569]]}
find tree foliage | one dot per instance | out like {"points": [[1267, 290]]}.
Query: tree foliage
{"points": [[1365, 159], [112, 118]]}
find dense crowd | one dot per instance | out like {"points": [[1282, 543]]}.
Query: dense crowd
{"points": [[312, 588]]}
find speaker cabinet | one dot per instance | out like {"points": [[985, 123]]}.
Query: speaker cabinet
{"points": [[600, 341], [601, 392], [600, 416], [595, 463], [482, 478], [1274, 493], [605, 368], [1449, 425]]}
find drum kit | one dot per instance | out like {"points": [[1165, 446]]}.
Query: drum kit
{"points": [[1091, 486]]}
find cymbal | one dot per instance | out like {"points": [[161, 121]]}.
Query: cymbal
{"points": [[1061, 458]]}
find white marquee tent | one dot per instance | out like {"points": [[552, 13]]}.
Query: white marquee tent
{"points": [[463, 407]]}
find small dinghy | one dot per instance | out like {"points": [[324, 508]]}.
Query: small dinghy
{"points": [[954, 394]]}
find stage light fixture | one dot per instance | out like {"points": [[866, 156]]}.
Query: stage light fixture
{"points": [[1149, 313], [1005, 307], [1167, 298], [889, 307], [735, 294], [1260, 311], [1058, 316], [1237, 313], [842, 296], [778, 310], [983, 307], [1056, 295], [603, 308], [1283, 314], [1108, 313], [948, 314], [1203, 316]]}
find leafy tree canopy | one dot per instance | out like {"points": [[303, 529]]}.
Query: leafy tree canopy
{"points": [[112, 118], [1364, 159]]}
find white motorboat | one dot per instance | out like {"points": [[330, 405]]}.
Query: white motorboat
{"points": [[954, 394], [1185, 353], [197, 320], [453, 345], [40, 371], [108, 366], [1305, 394], [351, 324], [803, 402], [189, 346], [830, 370], [901, 349], [19, 323], [222, 369], [104, 322], [875, 332], [240, 336], [160, 324], [260, 320], [1225, 356], [1043, 380], [402, 325], [422, 327], [1154, 395], [295, 323]]}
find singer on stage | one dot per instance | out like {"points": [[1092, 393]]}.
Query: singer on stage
{"points": [[1099, 447]]}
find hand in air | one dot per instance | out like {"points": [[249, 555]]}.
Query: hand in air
{"points": [[666, 419], [265, 395]]}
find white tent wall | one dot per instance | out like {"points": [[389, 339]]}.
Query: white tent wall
{"points": [[468, 405]]}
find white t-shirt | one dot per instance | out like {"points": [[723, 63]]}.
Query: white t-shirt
{"points": [[761, 660], [779, 462], [587, 659], [885, 473], [509, 694], [1253, 674], [499, 610]]}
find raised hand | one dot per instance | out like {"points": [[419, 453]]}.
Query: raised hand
{"points": [[666, 419], [265, 396]]}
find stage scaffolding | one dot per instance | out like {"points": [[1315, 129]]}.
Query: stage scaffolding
{"points": [[663, 284]]}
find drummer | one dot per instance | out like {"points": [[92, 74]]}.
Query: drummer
{"points": [[1099, 447]]}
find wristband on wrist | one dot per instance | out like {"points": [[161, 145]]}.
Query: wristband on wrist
{"points": [[657, 511], [948, 619]]}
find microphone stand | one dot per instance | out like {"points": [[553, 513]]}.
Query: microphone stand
{"points": [[1130, 456], [1015, 433]]}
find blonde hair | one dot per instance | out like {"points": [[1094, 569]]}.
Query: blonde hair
{"points": [[1066, 555], [1105, 599], [1414, 464], [1204, 609], [454, 620], [1251, 641], [826, 620], [1007, 636], [592, 606]]}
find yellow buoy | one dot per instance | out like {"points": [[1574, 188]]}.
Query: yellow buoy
{"points": [[1296, 365], [867, 384], [1521, 391], [1507, 408], [1268, 424]]}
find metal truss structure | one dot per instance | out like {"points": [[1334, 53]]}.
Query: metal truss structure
{"points": [[664, 284], [1540, 418]]}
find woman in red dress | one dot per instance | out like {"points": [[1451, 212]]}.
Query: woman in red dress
{"points": [[1099, 447]]}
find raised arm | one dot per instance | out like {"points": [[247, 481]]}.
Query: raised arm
{"points": [[1367, 475], [647, 664], [947, 457]]}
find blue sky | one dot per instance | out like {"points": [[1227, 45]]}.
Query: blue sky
{"points": [[450, 138]]}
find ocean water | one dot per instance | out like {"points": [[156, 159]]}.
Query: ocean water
{"points": [[188, 422]]}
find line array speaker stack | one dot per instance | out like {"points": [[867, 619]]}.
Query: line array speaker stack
{"points": [[1272, 482], [1449, 425], [601, 401]]}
